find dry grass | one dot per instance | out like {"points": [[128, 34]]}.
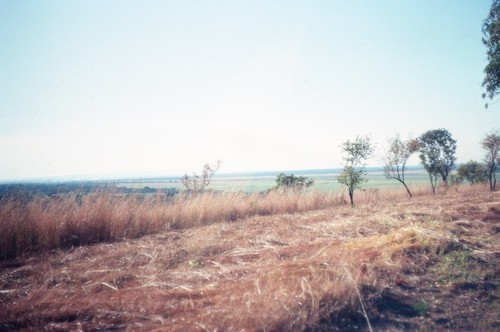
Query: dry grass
{"points": [[271, 269], [42, 224]]}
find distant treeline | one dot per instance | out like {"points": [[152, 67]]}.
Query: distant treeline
{"points": [[51, 189]]}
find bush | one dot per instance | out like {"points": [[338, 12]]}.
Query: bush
{"points": [[293, 182], [472, 171]]}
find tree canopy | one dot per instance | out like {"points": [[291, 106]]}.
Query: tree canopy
{"points": [[437, 154], [491, 39]]}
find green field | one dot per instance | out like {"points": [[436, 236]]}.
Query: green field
{"points": [[325, 182]]}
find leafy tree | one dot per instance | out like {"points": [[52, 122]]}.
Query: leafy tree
{"points": [[472, 172], [396, 158], [196, 183], [355, 154], [293, 182], [491, 39], [491, 143], [437, 154]]}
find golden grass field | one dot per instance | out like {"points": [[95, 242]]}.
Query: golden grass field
{"points": [[239, 262]]}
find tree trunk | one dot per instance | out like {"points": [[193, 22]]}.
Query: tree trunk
{"points": [[408, 190], [494, 186], [492, 177], [351, 194], [406, 187], [432, 184]]}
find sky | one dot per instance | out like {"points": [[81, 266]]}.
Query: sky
{"points": [[159, 88]]}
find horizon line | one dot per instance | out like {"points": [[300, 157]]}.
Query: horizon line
{"points": [[138, 176]]}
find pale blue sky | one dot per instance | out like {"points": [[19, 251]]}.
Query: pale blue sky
{"points": [[162, 87]]}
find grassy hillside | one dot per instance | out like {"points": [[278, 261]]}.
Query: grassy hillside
{"points": [[252, 262]]}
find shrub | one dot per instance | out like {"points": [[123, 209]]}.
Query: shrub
{"points": [[293, 182], [472, 171]]}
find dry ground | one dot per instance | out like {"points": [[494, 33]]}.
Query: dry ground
{"points": [[429, 263]]}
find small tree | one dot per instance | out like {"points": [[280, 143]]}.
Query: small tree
{"points": [[472, 172], [293, 182], [196, 183], [355, 154], [397, 157], [437, 154], [491, 143]]}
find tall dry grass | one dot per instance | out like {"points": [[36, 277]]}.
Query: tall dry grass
{"points": [[41, 224]]}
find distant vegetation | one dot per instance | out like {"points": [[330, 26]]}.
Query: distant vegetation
{"points": [[29, 190], [292, 182]]}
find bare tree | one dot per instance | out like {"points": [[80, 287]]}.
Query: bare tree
{"points": [[396, 158], [196, 183]]}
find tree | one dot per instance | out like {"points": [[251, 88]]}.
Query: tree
{"points": [[293, 182], [196, 183], [437, 154], [491, 143], [491, 39], [472, 171], [396, 158], [355, 154]]}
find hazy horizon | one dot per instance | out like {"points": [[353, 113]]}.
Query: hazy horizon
{"points": [[163, 87], [161, 177]]}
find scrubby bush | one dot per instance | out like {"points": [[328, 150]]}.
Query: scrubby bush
{"points": [[297, 183], [472, 172]]}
